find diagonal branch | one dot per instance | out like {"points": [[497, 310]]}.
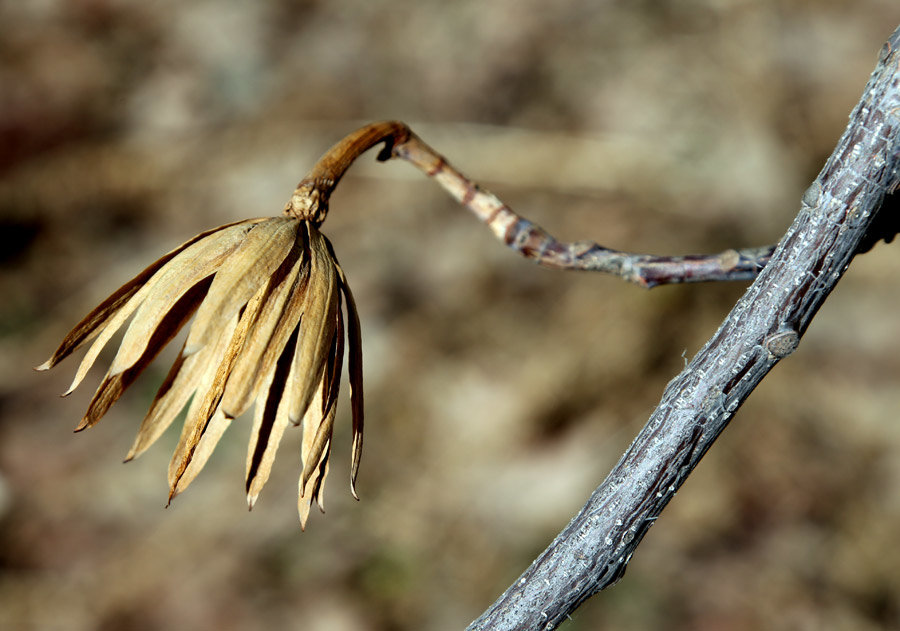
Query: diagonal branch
{"points": [[836, 219]]}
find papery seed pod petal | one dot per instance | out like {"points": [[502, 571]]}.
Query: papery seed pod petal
{"points": [[100, 317], [206, 371], [269, 422], [170, 399], [114, 385], [174, 393], [264, 416], [193, 265], [354, 368], [319, 489], [241, 276], [331, 382], [312, 489], [316, 326], [253, 362], [111, 326], [202, 249], [303, 504], [283, 339], [313, 420], [318, 446], [214, 431], [213, 395]]}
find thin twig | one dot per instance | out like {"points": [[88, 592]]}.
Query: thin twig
{"points": [[535, 243], [764, 327]]}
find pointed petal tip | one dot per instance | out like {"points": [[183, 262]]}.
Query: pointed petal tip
{"points": [[174, 491], [47, 365], [304, 517], [353, 491], [251, 501], [79, 377], [114, 369], [190, 350], [82, 425]]}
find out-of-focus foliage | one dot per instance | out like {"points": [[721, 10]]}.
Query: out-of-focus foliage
{"points": [[498, 393]]}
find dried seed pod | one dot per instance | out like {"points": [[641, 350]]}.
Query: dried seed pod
{"points": [[266, 296]]}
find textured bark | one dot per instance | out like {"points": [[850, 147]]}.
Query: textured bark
{"points": [[764, 327]]}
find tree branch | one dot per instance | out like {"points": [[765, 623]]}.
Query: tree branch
{"points": [[836, 219], [535, 243]]}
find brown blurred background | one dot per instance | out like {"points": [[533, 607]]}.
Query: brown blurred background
{"points": [[498, 394]]}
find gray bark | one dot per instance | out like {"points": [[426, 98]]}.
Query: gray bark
{"points": [[764, 327]]}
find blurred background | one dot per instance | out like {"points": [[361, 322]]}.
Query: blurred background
{"points": [[498, 393]]}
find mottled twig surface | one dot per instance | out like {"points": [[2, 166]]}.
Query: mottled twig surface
{"points": [[535, 243], [764, 327]]}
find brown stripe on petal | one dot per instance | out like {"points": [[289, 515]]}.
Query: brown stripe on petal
{"points": [[113, 386], [212, 397], [241, 276], [246, 377], [206, 367], [284, 329], [214, 431]]}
